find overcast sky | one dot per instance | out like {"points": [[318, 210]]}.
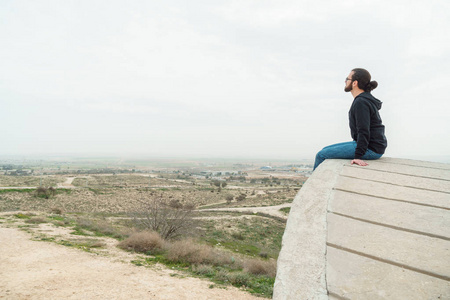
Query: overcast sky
{"points": [[257, 79]]}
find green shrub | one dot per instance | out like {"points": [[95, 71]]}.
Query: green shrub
{"points": [[239, 278], [22, 216], [204, 270]]}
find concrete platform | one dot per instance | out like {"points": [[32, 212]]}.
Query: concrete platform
{"points": [[375, 232]]}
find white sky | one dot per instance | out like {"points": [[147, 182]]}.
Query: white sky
{"points": [[257, 79]]}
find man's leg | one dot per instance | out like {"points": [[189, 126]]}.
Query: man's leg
{"points": [[335, 145], [344, 150], [371, 155]]}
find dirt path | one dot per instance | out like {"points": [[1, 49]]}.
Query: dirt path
{"points": [[269, 210], [67, 183], [43, 270]]}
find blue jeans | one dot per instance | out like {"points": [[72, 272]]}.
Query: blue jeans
{"points": [[344, 150]]}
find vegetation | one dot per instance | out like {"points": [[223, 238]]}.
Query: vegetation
{"points": [[169, 219], [146, 242], [286, 210], [218, 265], [159, 213], [42, 192]]}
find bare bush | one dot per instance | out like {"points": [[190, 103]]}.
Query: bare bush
{"points": [[261, 267], [56, 210], [36, 220], [170, 219], [145, 241], [188, 251], [229, 198], [241, 197], [43, 192]]}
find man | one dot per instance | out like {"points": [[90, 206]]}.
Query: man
{"points": [[367, 130]]}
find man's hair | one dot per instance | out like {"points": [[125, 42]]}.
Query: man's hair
{"points": [[363, 77]]}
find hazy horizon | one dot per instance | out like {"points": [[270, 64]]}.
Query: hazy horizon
{"points": [[148, 158]]}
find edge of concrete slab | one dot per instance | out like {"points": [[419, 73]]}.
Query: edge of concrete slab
{"points": [[305, 237]]}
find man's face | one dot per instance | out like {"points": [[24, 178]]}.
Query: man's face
{"points": [[348, 82]]}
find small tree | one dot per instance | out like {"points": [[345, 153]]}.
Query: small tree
{"points": [[46, 193], [241, 197], [220, 184], [229, 198], [170, 219]]}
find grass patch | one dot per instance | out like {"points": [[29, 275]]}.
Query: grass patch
{"points": [[285, 210], [99, 228], [57, 218], [85, 245], [82, 244], [80, 231], [22, 216], [4, 191], [24, 226], [254, 236]]}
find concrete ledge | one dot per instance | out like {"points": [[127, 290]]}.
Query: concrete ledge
{"points": [[301, 263], [375, 232]]}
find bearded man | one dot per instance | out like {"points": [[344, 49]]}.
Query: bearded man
{"points": [[367, 130]]}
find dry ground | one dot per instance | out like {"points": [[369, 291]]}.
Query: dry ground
{"points": [[32, 269]]}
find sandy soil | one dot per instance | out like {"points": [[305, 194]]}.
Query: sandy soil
{"points": [[44, 270]]}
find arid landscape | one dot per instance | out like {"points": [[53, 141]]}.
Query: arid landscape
{"points": [[218, 224]]}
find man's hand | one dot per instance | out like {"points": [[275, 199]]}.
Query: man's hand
{"points": [[359, 162]]}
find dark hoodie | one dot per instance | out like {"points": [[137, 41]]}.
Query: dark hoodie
{"points": [[365, 125]]}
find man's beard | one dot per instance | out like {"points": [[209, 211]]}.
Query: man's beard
{"points": [[348, 88]]}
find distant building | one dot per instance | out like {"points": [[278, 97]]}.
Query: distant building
{"points": [[266, 168]]}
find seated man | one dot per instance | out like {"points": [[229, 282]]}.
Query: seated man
{"points": [[367, 130]]}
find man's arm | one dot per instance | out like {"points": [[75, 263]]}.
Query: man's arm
{"points": [[362, 118]]}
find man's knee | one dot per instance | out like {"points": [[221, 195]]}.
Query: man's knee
{"points": [[321, 155]]}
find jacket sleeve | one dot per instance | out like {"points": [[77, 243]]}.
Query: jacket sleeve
{"points": [[362, 118]]}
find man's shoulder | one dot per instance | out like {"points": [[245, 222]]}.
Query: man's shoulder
{"points": [[361, 101]]}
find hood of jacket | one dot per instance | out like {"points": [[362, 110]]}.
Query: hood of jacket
{"points": [[371, 98]]}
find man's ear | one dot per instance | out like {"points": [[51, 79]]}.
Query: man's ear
{"points": [[355, 83]]}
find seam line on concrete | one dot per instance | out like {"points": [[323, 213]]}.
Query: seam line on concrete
{"points": [[393, 199], [393, 227], [338, 296], [390, 262], [384, 182], [426, 167], [406, 174]]}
